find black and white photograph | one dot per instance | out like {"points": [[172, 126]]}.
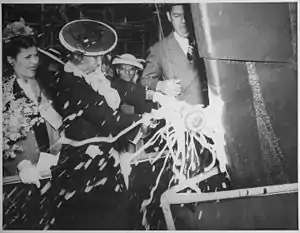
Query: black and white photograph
{"points": [[149, 115]]}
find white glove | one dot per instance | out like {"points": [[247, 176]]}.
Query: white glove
{"points": [[163, 100], [28, 173], [147, 119], [46, 161], [169, 87]]}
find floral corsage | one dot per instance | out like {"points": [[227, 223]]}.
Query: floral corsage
{"points": [[17, 28], [19, 115]]}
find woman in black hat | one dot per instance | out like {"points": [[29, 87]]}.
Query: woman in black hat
{"points": [[87, 178]]}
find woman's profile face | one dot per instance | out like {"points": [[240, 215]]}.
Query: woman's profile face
{"points": [[26, 62], [92, 63]]}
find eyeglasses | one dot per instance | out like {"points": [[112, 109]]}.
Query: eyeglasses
{"points": [[128, 69]]}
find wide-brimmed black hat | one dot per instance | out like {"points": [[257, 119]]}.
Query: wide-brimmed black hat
{"points": [[90, 37]]}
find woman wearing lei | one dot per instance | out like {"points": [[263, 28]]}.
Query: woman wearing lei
{"points": [[30, 124]]}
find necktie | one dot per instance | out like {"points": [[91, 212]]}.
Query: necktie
{"points": [[191, 52]]}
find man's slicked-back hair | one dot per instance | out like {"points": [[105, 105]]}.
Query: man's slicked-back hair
{"points": [[167, 7]]}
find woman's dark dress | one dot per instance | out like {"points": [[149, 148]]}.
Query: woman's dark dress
{"points": [[96, 183]]}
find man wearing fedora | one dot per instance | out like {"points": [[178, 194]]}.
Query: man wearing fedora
{"points": [[126, 68]]}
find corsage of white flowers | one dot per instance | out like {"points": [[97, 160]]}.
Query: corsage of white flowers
{"points": [[19, 116]]}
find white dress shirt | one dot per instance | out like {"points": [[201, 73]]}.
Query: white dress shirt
{"points": [[183, 42]]}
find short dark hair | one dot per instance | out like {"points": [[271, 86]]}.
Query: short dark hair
{"points": [[13, 47], [167, 7]]}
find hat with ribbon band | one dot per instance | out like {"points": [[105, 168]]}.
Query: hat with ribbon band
{"points": [[128, 59]]}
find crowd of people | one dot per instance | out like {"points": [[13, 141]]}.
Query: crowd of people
{"points": [[93, 95]]}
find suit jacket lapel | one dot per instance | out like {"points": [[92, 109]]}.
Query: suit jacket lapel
{"points": [[175, 50], [174, 55], [177, 59]]}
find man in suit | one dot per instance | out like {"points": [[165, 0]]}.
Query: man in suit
{"points": [[172, 65]]}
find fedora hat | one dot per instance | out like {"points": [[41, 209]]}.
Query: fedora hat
{"points": [[128, 59], [90, 37]]}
